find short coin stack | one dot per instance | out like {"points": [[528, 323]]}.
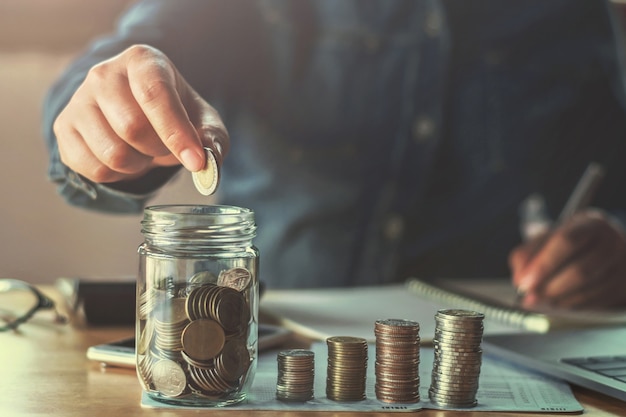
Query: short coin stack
{"points": [[296, 373], [458, 357], [397, 360], [347, 368]]}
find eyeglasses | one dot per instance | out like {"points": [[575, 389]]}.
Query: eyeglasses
{"points": [[19, 301]]}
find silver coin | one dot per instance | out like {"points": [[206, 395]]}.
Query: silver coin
{"points": [[169, 378], [452, 370], [207, 179], [459, 350], [235, 278], [452, 397], [461, 356], [445, 401], [459, 386], [296, 353], [458, 313]]}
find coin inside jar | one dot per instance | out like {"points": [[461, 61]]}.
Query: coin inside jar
{"points": [[169, 378], [203, 339], [234, 359], [231, 310], [236, 278]]}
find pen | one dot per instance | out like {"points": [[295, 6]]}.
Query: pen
{"points": [[534, 219], [583, 192]]}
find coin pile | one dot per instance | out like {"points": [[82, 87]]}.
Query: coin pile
{"points": [[347, 367], [193, 337], [397, 361], [458, 357], [296, 374]]}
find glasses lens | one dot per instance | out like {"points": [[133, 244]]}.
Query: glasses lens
{"points": [[15, 303]]}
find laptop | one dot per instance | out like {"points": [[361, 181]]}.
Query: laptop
{"points": [[591, 358]]}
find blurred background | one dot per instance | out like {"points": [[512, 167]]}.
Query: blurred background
{"points": [[41, 237]]}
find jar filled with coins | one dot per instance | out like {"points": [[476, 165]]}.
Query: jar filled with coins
{"points": [[197, 304]]}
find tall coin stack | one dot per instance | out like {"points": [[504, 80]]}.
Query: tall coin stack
{"points": [[397, 360], [458, 357], [296, 375], [347, 368]]}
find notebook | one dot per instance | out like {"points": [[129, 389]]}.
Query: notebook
{"points": [[497, 299], [325, 312], [591, 358]]}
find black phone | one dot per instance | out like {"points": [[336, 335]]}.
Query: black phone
{"points": [[121, 353], [99, 302]]}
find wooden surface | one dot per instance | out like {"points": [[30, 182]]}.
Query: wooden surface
{"points": [[44, 372]]}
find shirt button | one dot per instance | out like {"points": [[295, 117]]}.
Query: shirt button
{"points": [[394, 226], [433, 24], [423, 129]]}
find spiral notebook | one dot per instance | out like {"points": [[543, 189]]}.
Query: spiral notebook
{"points": [[497, 300], [325, 312]]}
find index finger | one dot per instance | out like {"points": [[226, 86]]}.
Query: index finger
{"points": [[153, 82]]}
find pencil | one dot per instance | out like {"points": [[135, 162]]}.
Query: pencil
{"points": [[583, 192]]}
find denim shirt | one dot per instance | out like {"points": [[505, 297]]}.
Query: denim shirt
{"points": [[381, 139]]}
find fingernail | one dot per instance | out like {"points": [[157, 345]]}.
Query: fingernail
{"points": [[192, 160], [525, 283]]}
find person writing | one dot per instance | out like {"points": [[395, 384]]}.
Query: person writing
{"points": [[375, 140]]}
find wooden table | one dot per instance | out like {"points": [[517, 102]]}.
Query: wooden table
{"points": [[44, 372]]}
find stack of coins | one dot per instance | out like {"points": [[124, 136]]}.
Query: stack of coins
{"points": [[397, 361], [223, 304], [347, 367], [169, 322], [196, 343], [296, 374], [458, 357]]}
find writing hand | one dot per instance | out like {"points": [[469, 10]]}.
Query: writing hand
{"points": [[135, 112], [580, 264]]}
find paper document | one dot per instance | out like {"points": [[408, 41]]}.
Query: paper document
{"points": [[503, 387]]}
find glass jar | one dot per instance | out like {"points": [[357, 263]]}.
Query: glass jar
{"points": [[197, 304]]}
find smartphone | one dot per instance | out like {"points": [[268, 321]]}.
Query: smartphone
{"points": [[121, 353], [99, 302]]}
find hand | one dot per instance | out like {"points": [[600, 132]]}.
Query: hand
{"points": [[581, 264], [135, 112]]}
